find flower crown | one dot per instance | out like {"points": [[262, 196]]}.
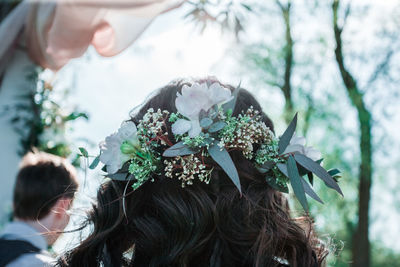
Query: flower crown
{"points": [[204, 127]]}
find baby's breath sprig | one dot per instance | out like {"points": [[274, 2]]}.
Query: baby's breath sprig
{"points": [[186, 169], [152, 129], [244, 131]]}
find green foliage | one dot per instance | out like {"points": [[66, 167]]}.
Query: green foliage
{"points": [[84, 152], [41, 121], [222, 157], [295, 181], [141, 168], [325, 102], [179, 149], [382, 256], [287, 135]]}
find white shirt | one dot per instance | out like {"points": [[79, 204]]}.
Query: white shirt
{"points": [[23, 231]]}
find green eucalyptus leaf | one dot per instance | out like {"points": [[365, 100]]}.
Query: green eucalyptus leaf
{"points": [[118, 176], [203, 114], [179, 149], [206, 122], [272, 182], [287, 135], [303, 171], [334, 172], [295, 181], [94, 163], [215, 127], [84, 152], [207, 141], [122, 174], [309, 191], [266, 166], [283, 168], [261, 170], [315, 168], [222, 157]]}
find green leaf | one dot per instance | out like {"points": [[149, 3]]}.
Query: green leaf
{"points": [[122, 174], [309, 191], [315, 168], [76, 115], [272, 182], [222, 157], [94, 163], [334, 172], [203, 114], [179, 149], [283, 168], [266, 166], [295, 181], [206, 122], [261, 170], [84, 152], [287, 135], [303, 171], [217, 126], [119, 176]]}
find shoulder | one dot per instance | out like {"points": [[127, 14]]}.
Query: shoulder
{"points": [[33, 260]]}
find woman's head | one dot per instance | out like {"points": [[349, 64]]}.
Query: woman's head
{"points": [[203, 224]]}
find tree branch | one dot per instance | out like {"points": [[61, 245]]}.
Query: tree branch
{"points": [[380, 68], [288, 59], [361, 245]]}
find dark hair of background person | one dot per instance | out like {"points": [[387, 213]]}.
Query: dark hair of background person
{"points": [[42, 180], [201, 224]]}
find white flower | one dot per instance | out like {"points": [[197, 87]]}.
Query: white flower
{"points": [[111, 154], [128, 132], [298, 144], [192, 100]]}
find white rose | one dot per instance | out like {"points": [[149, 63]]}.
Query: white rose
{"points": [[111, 154], [192, 100], [298, 144], [128, 132], [219, 94]]}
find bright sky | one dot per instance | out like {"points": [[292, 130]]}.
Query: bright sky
{"points": [[108, 88]]}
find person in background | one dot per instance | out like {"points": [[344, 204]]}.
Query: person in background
{"points": [[43, 194]]}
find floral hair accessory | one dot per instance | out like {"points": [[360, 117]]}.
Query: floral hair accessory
{"points": [[193, 100], [204, 127]]}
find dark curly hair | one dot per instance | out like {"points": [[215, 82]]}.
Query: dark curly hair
{"points": [[200, 225]]}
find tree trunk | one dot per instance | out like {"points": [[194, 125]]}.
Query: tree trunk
{"points": [[360, 239], [286, 87]]}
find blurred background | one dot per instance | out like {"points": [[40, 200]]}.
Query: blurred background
{"points": [[335, 62]]}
